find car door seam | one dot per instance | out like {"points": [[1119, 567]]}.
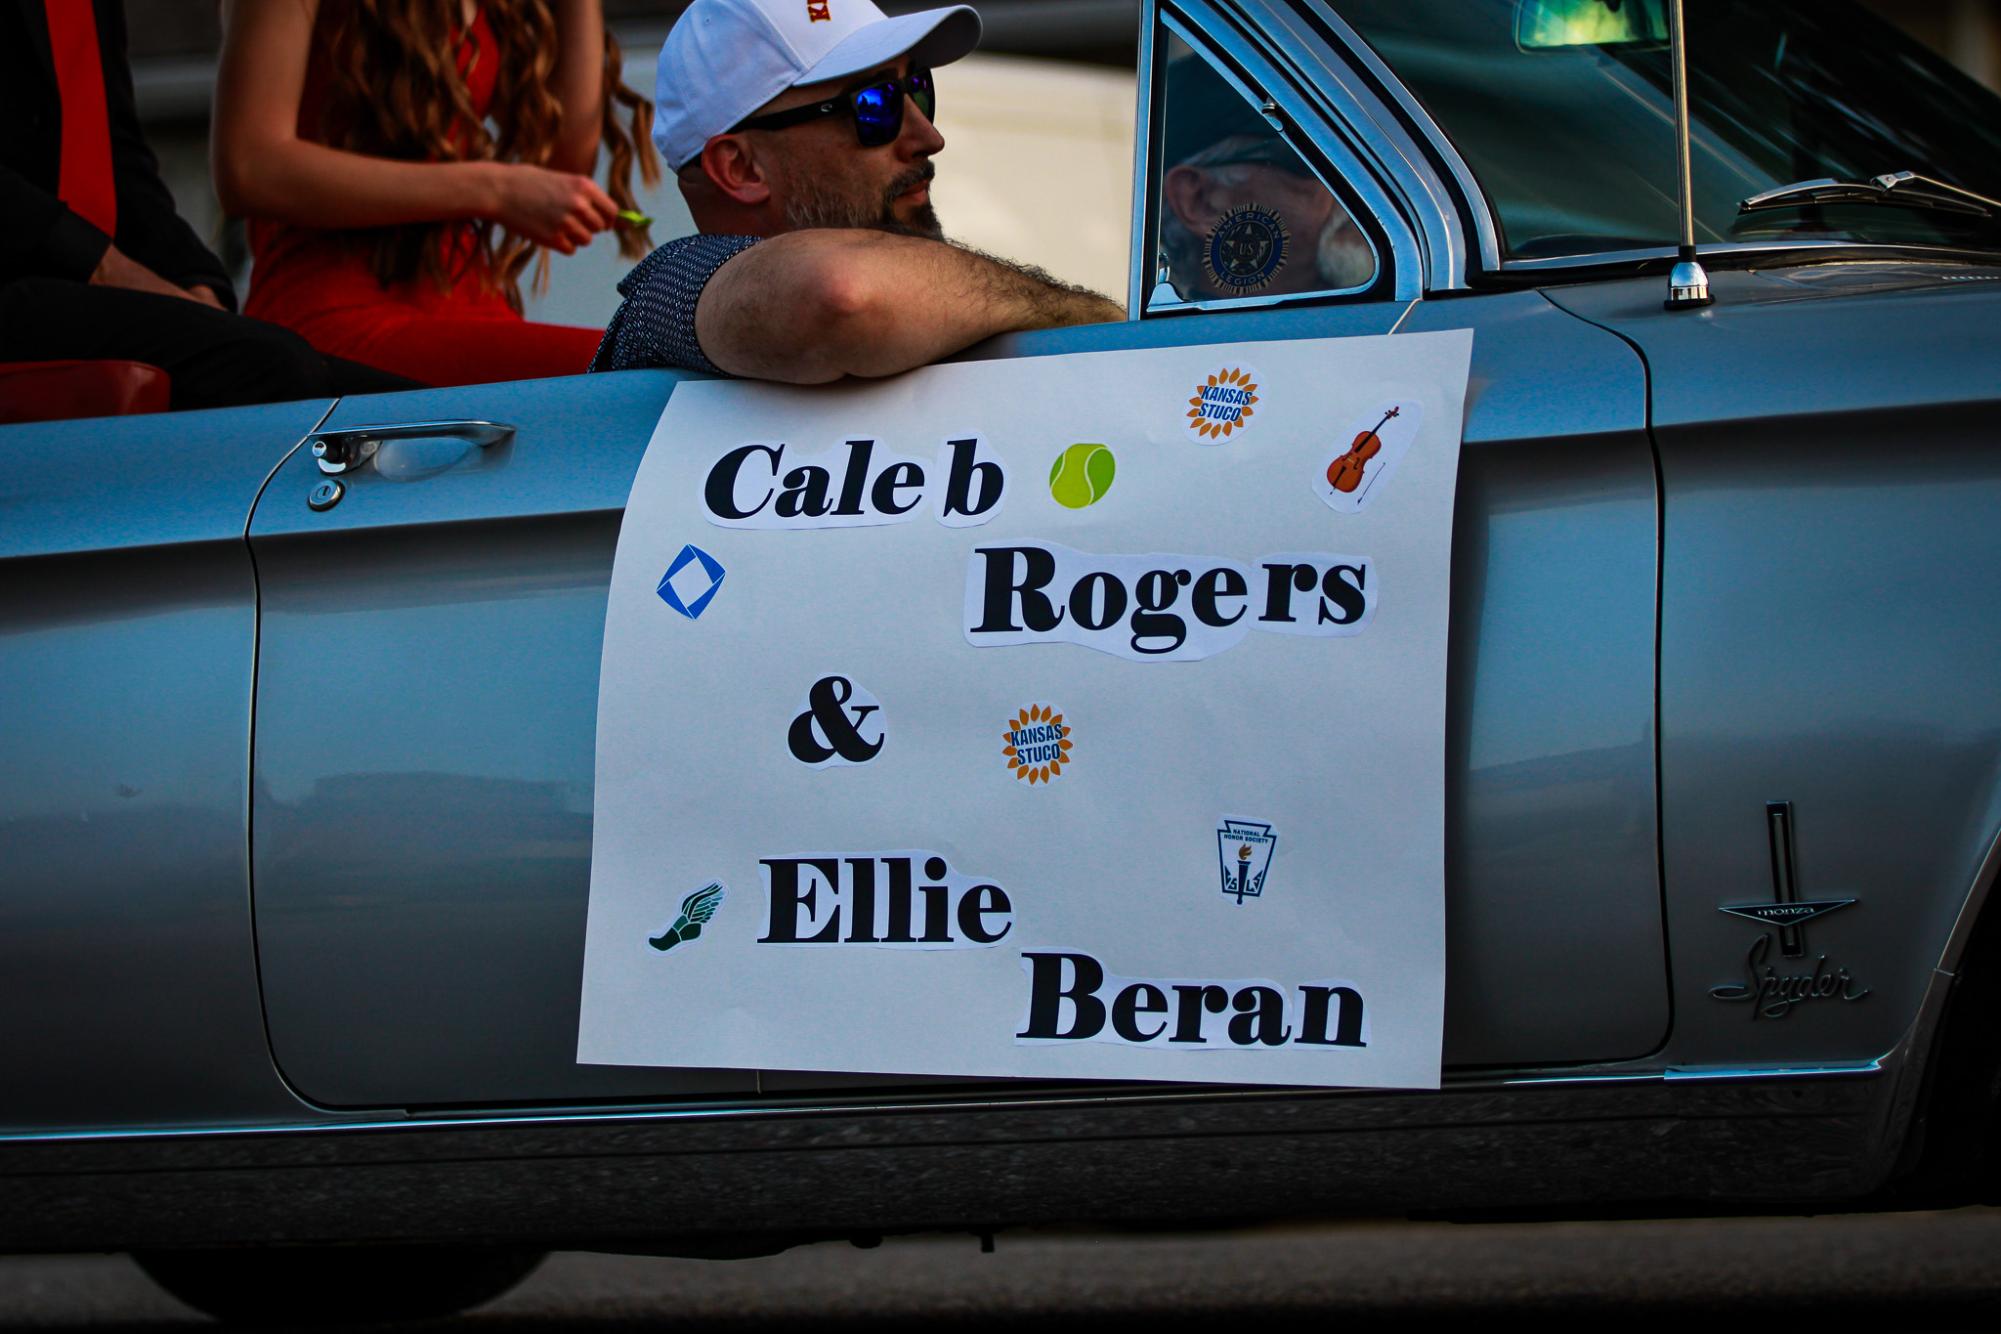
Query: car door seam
{"points": [[1660, 592], [250, 754]]}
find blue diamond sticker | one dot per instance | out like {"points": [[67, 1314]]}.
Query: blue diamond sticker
{"points": [[691, 582]]}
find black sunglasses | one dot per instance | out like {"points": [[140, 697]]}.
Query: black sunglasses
{"points": [[877, 109]]}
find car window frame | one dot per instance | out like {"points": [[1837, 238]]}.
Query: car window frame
{"points": [[1231, 48], [1469, 222]]}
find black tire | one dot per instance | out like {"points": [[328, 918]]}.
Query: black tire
{"points": [[337, 1284]]}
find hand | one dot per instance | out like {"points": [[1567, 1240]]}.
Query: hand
{"points": [[205, 294], [557, 209], [117, 269]]}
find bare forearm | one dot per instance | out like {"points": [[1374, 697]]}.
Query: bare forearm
{"points": [[578, 83], [976, 296], [263, 169], [811, 307], [299, 181]]}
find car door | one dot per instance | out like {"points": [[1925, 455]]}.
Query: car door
{"points": [[426, 715], [428, 666]]}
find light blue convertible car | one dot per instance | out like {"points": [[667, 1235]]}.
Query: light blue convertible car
{"points": [[297, 710]]}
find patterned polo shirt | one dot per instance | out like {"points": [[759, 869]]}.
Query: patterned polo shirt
{"points": [[655, 326]]}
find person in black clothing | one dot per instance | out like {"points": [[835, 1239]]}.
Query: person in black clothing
{"points": [[94, 262]]}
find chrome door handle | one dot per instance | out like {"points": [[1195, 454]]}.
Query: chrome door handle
{"points": [[349, 447]]}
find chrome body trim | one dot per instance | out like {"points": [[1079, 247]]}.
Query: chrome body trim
{"points": [[1969, 912], [1837, 1069], [880, 1106]]}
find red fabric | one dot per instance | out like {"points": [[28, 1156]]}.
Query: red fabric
{"points": [[316, 281], [40, 391], [85, 181]]}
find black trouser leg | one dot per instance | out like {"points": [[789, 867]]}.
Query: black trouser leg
{"points": [[216, 359], [353, 377]]}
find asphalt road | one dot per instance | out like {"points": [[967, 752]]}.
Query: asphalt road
{"points": [[1878, 1274]]}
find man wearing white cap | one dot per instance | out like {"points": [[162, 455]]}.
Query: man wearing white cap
{"points": [[802, 134]]}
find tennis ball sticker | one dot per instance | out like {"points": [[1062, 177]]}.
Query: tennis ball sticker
{"points": [[1081, 476]]}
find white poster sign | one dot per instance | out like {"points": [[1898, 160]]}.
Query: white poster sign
{"points": [[1062, 717]]}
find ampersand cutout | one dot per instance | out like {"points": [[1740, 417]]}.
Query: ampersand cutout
{"points": [[829, 731]]}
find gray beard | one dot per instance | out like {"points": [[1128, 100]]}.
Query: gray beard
{"points": [[811, 204]]}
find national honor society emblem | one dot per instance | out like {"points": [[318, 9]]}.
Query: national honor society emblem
{"points": [[1243, 854], [1246, 249]]}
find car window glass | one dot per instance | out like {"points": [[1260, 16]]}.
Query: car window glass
{"points": [[1240, 215], [1572, 139]]}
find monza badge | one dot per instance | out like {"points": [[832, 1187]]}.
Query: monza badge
{"points": [[1246, 249], [1243, 855], [1774, 991]]}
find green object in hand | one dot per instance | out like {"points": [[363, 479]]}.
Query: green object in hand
{"points": [[632, 217]]}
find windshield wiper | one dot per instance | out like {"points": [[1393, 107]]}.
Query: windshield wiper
{"points": [[1900, 189]]}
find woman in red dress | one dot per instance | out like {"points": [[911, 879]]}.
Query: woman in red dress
{"points": [[401, 162]]}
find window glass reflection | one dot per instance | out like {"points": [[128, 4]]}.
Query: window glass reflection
{"points": [[1241, 214]]}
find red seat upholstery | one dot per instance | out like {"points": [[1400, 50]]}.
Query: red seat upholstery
{"points": [[39, 391]]}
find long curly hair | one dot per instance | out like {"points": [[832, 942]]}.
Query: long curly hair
{"points": [[396, 91]]}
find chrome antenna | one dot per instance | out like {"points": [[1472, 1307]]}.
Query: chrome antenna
{"points": [[1688, 284]]}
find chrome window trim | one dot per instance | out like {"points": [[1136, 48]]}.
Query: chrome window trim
{"points": [[1212, 304], [1179, 304], [1140, 264], [1486, 231], [1208, 28], [1431, 199]]}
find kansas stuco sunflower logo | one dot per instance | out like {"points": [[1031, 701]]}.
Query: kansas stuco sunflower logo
{"points": [[1037, 744], [1223, 404]]}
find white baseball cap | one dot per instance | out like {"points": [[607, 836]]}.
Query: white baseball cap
{"points": [[726, 58]]}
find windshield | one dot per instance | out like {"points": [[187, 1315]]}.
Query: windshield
{"points": [[1574, 144]]}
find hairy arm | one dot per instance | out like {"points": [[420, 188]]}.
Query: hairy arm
{"points": [[813, 306], [263, 169], [578, 83]]}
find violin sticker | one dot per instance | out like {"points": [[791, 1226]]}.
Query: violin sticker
{"points": [[1354, 472]]}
